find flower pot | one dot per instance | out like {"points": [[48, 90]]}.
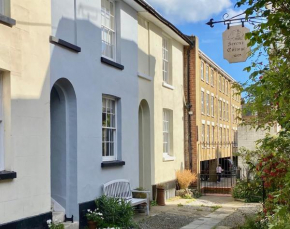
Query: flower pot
{"points": [[161, 196], [92, 225]]}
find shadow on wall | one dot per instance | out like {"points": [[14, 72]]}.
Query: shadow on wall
{"points": [[83, 80], [89, 78]]}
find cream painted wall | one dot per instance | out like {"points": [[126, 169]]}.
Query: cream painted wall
{"points": [[24, 59], [160, 97]]}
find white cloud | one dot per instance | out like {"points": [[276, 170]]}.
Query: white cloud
{"points": [[231, 13], [179, 11]]}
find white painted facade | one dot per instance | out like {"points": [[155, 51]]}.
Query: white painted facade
{"points": [[52, 100], [89, 80], [164, 101], [25, 125]]}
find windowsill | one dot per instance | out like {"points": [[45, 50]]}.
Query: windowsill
{"points": [[116, 163], [167, 85], [167, 157], [7, 175], [7, 20], [112, 63], [143, 76], [64, 44]]}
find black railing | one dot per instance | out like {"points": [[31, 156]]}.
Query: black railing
{"points": [[219, 144], [217, 183]]}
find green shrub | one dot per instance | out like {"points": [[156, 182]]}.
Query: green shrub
{"points": [[54, 225], [116, 212], [251, 191], [253, 223]]}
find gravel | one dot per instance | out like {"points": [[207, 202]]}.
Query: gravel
{"points": [[175, 218], [238, 218]]}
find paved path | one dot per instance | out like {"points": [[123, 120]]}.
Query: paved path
{"points": [[228, 207], [210, 221]]}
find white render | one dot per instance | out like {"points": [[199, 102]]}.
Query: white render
{"points": [[158, 95], [90, 79], [24, 64]]}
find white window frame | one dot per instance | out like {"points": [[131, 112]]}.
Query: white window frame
{"points": [[166, 121], [165, 59], [203, 133], [201, 70], [212, 136], [220, 83], [220, 109], [207, 104], [202, 102], [206, 74], [227, 111], [224, 110], [228, 137], [212, 106], [227, 85], [212, 77], [208, 135], [110, 30], [115, 140]]}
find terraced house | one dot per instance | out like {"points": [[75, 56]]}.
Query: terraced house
{"points": [[211, 113], [24, 113], [161, 98], [74, 75]]}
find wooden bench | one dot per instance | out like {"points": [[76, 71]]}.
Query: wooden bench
{"points": [[122, 189]]}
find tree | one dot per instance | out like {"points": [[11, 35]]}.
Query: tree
{"points": [[267, 95], [267, 92]]}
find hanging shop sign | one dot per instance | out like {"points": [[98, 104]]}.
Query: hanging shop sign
{"points": [[235, 45]]}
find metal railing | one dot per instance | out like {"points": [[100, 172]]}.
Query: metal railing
{"points": [[217, 183]]}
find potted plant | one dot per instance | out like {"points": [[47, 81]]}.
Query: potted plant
{"points": [[160, 195], [94, 218]]}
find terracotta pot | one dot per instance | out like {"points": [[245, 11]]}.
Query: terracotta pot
{"points": [[161, 196], [92, 225]]}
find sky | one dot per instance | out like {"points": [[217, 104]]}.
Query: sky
{"points": [[190, 16]]}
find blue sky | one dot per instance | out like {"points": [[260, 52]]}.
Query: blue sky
{"points": [[190, 17]]}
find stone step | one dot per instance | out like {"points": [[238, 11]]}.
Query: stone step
{"points": [[74, 225], [57, 216]]}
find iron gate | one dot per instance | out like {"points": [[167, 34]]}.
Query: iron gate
{"points": [[210, 184]]}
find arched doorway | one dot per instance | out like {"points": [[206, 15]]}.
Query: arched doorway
{"points": [[144, 146], [63, 115]]}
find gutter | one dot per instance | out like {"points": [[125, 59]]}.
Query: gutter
{"points": [[163, 20]]}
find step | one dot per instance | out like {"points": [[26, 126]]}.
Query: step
{"points": [[69, 225], [57, 216]]}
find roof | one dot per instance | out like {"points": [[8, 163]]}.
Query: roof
{"points": [[216, 66], [148, 8]]}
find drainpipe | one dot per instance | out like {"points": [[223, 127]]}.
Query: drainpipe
{"points": [[188, 107]]}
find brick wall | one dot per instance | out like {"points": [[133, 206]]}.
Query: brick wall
{"points": [[190, 136]]}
